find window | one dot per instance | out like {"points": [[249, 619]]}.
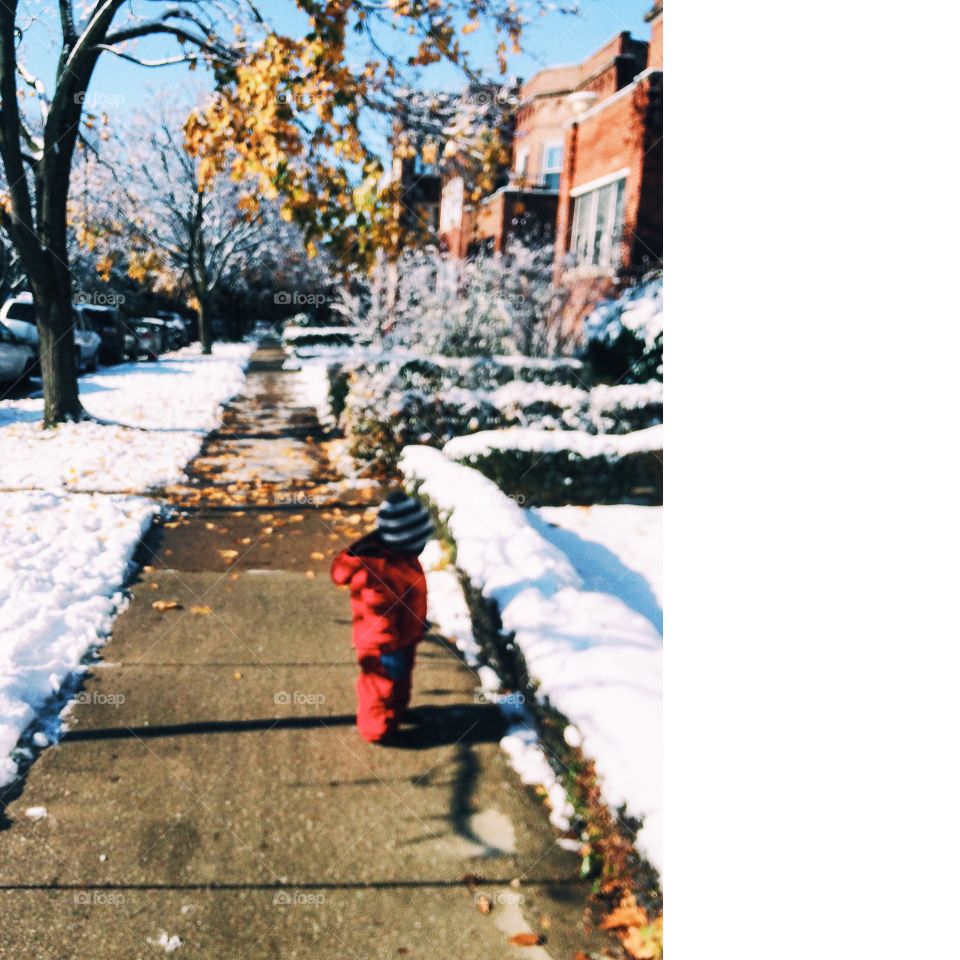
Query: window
{"points": [[22, 310], [552, 165], [598, 225]]}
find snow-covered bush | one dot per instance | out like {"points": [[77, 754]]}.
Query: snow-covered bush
{"points": [[297, 337], [387, 405], [482, 305], [624, 337], [547, 467]]}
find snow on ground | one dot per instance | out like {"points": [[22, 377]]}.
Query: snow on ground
{"points": [[66, 554], [155, 416], [615, 549], [535, 440], [595, 657], [64, 560]]}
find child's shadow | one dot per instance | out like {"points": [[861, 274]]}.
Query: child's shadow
{"points": [[428, 727]]}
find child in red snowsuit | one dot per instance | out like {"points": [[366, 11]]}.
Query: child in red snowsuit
{"points": [[388, 593]]}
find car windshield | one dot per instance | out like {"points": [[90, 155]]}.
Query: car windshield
{"points": [[22, 310]]}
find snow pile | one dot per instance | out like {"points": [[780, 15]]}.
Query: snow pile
{"points": [[597, 659], [447, 608], [533, 440], [315, 380], [615, 549], [154, 418], [64, 561]]}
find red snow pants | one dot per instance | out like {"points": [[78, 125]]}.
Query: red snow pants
{"points": [[381, 700]]}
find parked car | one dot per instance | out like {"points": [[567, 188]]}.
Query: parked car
{"points": [[16, 358], [86, 341], [19, 315], [147, 339], [108, 323], [179, 331]]}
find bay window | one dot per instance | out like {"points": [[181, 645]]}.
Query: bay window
{"points": [[598, 225]]}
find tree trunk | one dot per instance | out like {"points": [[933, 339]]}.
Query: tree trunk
{"points": [[203, 322], [58, 362]]}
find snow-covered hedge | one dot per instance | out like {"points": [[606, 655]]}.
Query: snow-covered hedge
{"points": [[586, 656], [298, 337], [386, 406], [552, 467]]}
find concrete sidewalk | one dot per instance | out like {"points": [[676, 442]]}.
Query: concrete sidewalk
{"points": [[212, 787]]}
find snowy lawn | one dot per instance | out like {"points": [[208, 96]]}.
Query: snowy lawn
{"points": [[64, 559], [155, 416], [595, 656], [66, 554], [615, 549]]}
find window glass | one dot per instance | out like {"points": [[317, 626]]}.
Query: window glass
{"points": [[598, 225], [22, 310], [552, 166]]}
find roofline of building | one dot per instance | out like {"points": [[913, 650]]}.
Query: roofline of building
{"points": [[566, 66], [615, 98]]}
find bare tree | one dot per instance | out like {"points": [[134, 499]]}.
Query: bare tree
{"points": [[169, 225], [37, 152]]}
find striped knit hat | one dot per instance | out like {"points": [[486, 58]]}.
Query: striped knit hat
{"points": [[404, 523]]}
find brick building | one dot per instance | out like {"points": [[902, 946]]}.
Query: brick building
{"points": [[527, 204], [585, 174], [610, 213]]}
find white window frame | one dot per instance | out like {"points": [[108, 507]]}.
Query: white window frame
{"points": [[602, 206], [523, 163], [545, 171]]}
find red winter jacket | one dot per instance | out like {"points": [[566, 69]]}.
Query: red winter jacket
{"points": [[388, 593]]}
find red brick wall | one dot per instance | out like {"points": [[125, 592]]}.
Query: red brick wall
{"points": [[655, 58], [539, 122], [625, 134]]}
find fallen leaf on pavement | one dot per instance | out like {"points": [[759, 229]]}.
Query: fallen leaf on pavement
{"points": [[316, 555], [526, 940], [162, 605]]}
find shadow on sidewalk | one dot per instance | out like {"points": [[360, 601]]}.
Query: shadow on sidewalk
{"points": [[426, 727]]}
